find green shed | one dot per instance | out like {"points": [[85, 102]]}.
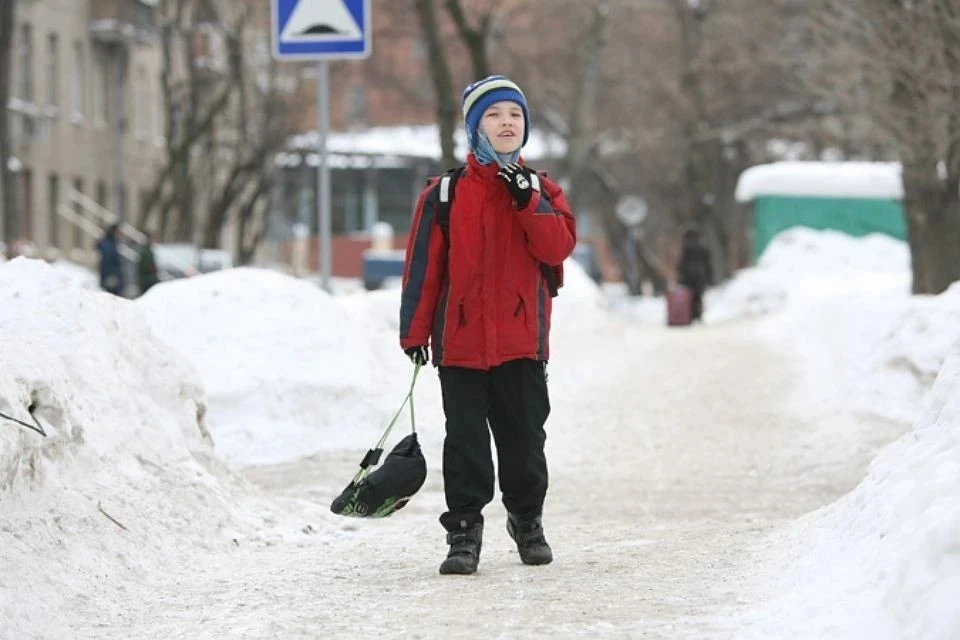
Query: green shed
{"points": [[857, 198]]}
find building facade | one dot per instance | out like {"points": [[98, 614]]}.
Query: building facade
{"points": [[85, 113]]}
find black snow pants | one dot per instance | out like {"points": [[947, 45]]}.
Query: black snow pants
{"points": [[513, 398]]}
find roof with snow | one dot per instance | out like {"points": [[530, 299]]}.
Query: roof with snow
{"points": [[412, 141], [822, 179]]}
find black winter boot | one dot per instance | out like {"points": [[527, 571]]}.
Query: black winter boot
{"points": [[464, 554], [527, 532]]}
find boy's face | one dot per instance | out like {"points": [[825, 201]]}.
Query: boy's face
{"points": [[504, 125]]}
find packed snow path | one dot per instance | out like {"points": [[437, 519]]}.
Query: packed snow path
{"points": [[667, 468]]}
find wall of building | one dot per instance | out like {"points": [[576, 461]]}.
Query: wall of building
{"points": [[66, 118]]}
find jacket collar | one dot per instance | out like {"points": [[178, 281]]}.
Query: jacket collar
{"points": [[483, 171]]}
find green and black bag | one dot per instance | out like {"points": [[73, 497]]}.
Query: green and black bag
{"points": [[381, 493]]}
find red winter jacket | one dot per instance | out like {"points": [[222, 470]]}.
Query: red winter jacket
{"points": [[482, 300]]}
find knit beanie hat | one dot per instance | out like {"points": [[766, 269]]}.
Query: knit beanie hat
{"points": [[478, 97]]}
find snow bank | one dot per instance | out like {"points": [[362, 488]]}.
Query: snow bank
{"points": [[124, 418], [883, 561], [822, 179], [844, 306], [889, 550], [805, 264], [289, 370], [874, 354], [84, 277]]}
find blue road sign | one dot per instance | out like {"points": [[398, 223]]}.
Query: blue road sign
{"points": [[321, 29]]}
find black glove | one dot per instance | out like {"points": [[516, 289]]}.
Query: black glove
{"points": [[518, 181], [418, 355]]}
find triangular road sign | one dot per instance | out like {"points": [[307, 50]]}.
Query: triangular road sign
{"points": [[319, 21]]}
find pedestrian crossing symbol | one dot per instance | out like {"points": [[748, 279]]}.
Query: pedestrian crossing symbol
{"points": [[321, 29]]}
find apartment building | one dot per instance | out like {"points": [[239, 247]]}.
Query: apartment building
{"points": [[85, 110]]}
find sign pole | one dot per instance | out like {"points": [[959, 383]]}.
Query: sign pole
{"points": [[323, 175], [321, 30]]}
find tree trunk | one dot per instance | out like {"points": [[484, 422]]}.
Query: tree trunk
{"points": [[580, 129], [7, 204], [933, 224], [442, 82], [474, 39]]}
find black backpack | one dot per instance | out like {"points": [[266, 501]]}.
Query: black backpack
{"points": [[553, 277]]}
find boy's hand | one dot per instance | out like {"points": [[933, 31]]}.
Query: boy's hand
{"points": [[517, 178]]}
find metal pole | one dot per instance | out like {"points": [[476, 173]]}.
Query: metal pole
{"points": [[323, 174], [121, 204]]}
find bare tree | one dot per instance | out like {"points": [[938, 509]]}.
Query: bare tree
{"points": [[7, 204], [581, 122], [897, 64], [476, 38], [224, 125], [446, 103]]}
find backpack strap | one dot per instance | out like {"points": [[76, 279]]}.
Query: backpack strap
{"points": [[445, 186]]}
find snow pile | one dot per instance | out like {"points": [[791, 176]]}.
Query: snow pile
{"points": [[126, 439], [888, 551], [880, 354], [802, 264], [578, 284], [84, 277], [289, 370]]}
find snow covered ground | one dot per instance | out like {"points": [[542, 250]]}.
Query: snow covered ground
{"points": [[196, 436]]}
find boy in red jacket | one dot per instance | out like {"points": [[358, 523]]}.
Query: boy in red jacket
{"points": [[477, 294]]}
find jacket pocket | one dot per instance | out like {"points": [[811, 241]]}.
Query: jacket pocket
{"points": [[520, 313], [464, 335]]}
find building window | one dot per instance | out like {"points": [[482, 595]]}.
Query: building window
{"points": [[160, 121], [121, 202], [142, 106], [357, 109], [26, 63], [419, 48], [101, 194], [53, 70], [77, 234], [101, 88], [53, 197], [77, 84], [26, 204]]}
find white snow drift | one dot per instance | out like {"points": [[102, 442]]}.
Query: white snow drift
{"points": [[288, 370], [124, 418], [883, 562]]}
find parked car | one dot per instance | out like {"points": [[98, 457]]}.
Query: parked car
{"points": [[182, 260]]}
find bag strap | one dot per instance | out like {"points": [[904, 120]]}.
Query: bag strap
{"points": [[372, 457]]}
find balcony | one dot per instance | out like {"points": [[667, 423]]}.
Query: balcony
{"points": [[123, 21]]}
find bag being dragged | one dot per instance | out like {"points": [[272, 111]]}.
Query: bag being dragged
{"points": [[389, 488], [385, 491]]}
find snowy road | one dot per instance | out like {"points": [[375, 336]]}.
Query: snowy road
{"points": [[667, 469]]}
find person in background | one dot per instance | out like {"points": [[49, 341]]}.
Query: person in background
{"points": [[478, 294], [147, 265], [695, 270], [111, 263]]}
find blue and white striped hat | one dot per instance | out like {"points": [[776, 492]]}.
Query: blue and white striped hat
{"points": [[478, 97]]}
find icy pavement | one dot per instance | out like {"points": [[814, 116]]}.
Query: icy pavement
{"points": [[667, 468]]}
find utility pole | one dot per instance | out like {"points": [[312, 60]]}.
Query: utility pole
{"points": [[7, 208]]}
